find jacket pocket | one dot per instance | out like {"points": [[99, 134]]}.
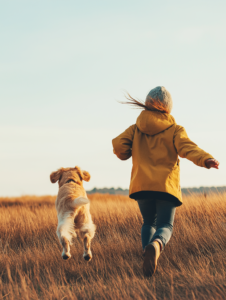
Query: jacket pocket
{"points": [[174, 177]]}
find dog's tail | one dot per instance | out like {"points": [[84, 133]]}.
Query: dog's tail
{"points": [[80, 201]]}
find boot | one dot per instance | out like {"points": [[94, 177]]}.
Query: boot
{"points": [[151, 255]]}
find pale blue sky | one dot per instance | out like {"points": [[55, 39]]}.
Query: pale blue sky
{"points": [[64, 65]]}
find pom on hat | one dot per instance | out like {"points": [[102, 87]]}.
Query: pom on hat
{"points": [[159, 95]]}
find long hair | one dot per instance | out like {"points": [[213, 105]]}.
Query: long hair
{"points": [[149, 104]]}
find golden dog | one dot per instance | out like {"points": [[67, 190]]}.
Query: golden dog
{"points": [[72, 207]]}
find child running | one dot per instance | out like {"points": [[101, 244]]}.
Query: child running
{"points": [[154, 143]]}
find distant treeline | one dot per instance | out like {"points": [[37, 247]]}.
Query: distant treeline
{"points": [[186, 191], [111, 191], [204, 190]]}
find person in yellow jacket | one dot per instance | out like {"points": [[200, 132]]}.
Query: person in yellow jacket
{"points": [[155, 142]]}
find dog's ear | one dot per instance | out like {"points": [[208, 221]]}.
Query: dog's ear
{"points": [[55, 176], [84, 175]]}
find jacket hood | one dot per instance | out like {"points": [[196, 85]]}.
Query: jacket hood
{"points": [[154, 122]]}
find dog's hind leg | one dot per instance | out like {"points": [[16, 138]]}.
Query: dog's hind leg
{"points": [[65, 231], [66, 248], [87, 232], [87, 255]]}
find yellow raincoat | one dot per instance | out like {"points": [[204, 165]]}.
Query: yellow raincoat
{"points": [[154, 143]]}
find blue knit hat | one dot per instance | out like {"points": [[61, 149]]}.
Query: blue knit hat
{"points": [[160, 94]]}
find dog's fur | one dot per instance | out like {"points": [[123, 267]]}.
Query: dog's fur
{"points": [[72, 207]]}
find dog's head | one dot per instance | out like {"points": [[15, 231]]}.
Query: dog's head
{"points": [[67, 175]]}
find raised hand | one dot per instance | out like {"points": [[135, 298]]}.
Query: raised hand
{"points": [[212, 163]]}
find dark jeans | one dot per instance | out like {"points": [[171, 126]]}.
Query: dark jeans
{"points": [[158, 217]]}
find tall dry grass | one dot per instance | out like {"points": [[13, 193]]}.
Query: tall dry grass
{"points": [[192, 265]]}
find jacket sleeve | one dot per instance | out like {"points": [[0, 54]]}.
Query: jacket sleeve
{"points": [[122, 144], [187, 149]]}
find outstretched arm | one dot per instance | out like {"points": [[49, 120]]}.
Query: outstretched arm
{"points": [[187, 149], [122, 144]]}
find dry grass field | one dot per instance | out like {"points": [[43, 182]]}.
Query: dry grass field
{"points": [[192, 266]]}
